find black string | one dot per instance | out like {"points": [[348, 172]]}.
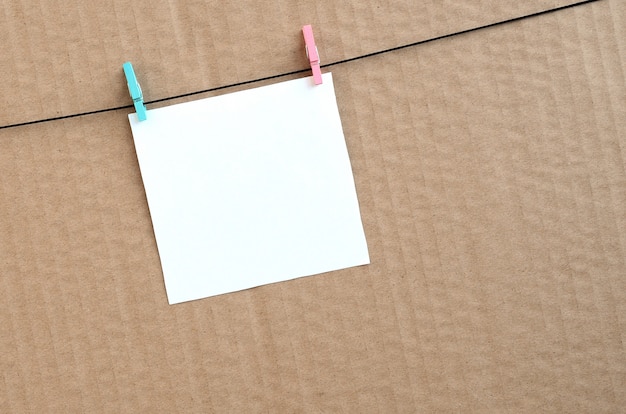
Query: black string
{"points": [[295, 72], [462, 32], [217, 88]]}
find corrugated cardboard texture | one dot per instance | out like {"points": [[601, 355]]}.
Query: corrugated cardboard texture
{"points": [[491, 173]]}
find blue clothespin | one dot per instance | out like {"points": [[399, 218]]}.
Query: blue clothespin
{"points": [[135, 91]]}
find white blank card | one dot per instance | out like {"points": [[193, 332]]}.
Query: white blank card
{"points": [[249, 188]]}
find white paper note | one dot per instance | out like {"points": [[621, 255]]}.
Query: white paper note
{"points": [[249, 188]]}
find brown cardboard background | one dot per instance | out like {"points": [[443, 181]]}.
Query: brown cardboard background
{"points": [[491, 176]]}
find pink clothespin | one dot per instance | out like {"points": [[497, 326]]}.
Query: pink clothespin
{"points": [[312, 53]]}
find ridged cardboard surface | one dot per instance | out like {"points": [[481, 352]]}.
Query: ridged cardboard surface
{"points": [[491, 175]]}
